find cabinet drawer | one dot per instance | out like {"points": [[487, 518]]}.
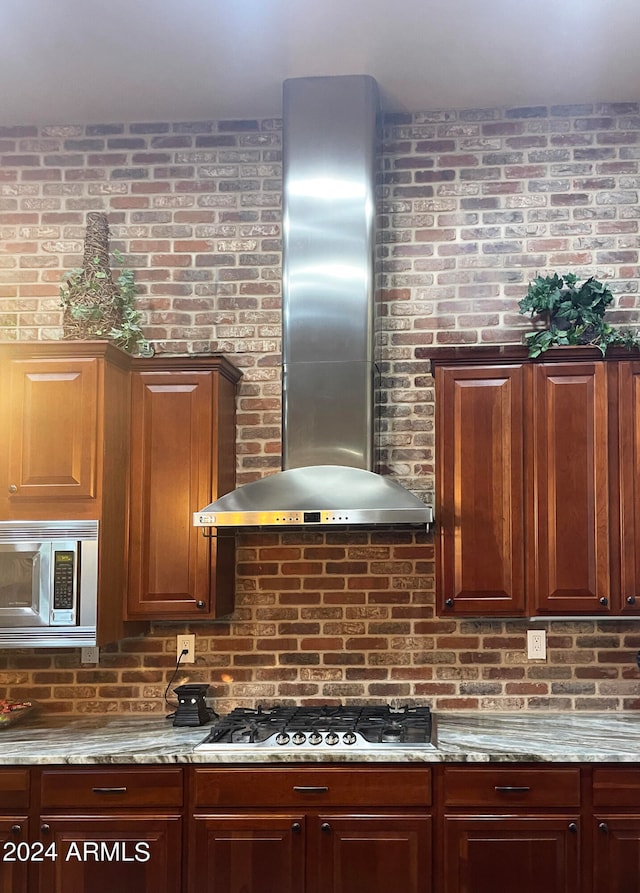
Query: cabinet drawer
{"points": [[14, 788], [273, 787], [107, 788], [506, 788], [616, 787]]}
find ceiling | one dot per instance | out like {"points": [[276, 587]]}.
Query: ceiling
{"points": [[88, 61]]}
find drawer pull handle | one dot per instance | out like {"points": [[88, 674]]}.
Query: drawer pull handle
{"points": [[511, 788], [310, 788], [109, 790]]}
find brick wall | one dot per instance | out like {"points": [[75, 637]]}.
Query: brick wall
{"points": [[474, 203]]}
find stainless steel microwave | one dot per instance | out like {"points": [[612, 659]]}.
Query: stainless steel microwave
{"points": [[48, 583]]}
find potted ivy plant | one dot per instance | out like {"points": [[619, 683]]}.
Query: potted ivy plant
{"points": [[573, 313], [94, 303]]}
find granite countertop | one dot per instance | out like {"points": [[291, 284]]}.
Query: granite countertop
{"points": [[477, 737]]}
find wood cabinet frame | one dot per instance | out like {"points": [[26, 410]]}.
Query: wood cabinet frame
{"points": [[587, 815], [512, 492]]}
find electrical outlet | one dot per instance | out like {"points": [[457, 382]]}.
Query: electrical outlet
{"points": [[536, 644], [188, 644], [90, 655]]}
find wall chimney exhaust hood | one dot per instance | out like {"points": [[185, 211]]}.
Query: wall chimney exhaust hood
{"points": [[328, 316]]}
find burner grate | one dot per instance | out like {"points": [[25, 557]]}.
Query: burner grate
{"points": [[321, 727]]}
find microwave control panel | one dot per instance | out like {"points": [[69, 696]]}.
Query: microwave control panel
{"points": [[64, 562]]}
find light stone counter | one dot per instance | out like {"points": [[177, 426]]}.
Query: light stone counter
{"points": [[477, 737]]}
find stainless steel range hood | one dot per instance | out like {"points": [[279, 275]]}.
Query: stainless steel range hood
{"points": [[329, 373]]}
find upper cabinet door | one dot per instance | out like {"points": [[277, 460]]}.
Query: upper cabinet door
{"points": [[629, 489], [52, 429], [569, 491], [171, 474], [480, 490], [182, 457]]}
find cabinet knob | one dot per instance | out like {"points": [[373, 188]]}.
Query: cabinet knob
{"points": [[631, 599], [448, 603], [573, 827], [45, 828], [603, 827], [13, 488], [325, 827], [200, 604], [296, 827], [16, 829], [604, 601]]}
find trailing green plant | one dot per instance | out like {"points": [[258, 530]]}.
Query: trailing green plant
{"points": [[103, 312], [95, 304], [573, 314]]}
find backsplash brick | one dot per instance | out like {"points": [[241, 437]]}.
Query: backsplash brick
{"points": [[473, 204]]}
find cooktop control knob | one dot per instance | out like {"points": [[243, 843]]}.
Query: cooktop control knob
{"points": [[282, 738], [315, 738], [299, 738], [349, 738], [332, 738]]}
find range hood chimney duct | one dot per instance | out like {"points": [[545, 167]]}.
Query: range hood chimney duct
{"points": [[328, 323]]}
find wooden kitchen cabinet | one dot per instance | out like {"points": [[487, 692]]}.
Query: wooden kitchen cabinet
{"points": [[379, 852], [317, 830], [336, 852], [480, 487], [261, 853], [511, 828], [64, 449], [616, 830], [111, 829], [532, 457], [628, 402], [616, 853], [569, 506], [103, 853], [64, 428], [527, 854], [14, 829], [182, 458], [51, 429]]}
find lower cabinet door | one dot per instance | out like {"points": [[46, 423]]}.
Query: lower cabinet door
{"points": [[381, 854], [111, 854], [247, 854], [15, 854], [527, 855], [616, 854]]}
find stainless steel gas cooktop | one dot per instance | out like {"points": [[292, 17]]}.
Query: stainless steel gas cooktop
{"points": [[320, 728]]}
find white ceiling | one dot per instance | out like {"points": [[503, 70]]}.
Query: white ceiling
{"points": [[76, 61]]}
